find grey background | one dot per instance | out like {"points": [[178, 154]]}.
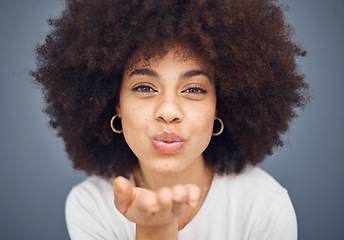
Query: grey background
{"points": [[35, 174]]}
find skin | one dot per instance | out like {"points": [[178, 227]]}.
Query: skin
{"points": [[171, 97]]}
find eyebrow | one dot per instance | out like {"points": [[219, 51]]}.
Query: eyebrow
{"points": [[152, 73], [146, 72], [195, 73]]}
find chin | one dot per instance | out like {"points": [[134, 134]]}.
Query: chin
{"points": [[167, 167]]}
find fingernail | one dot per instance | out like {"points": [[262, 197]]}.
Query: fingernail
{"points": [[153, 209], [178, 198], [192, 204], [165, 201], [117, 186]]}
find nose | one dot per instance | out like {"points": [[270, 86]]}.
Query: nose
{"points": [[168, 109]]}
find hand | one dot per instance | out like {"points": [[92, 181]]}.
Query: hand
{"points": [[150, 209]]}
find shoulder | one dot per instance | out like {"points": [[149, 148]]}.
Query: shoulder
{"points": [[89, 195], [91, 187], [261, 205], [91, 213], [252, 180], [253, 189]]}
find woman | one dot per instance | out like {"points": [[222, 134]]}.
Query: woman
{"points": [[197, 93]]}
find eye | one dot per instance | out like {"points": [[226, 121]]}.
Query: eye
{"points": [[144, 88], [195, 90]]}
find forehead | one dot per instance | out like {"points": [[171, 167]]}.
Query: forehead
{"points": [[152, 57]]}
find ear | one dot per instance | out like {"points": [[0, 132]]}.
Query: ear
{"points": [[118, 110]]}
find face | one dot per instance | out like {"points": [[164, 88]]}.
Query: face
{"points": [[167, 111]]}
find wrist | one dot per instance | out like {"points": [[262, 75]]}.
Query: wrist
{"points": [[167, 232]]}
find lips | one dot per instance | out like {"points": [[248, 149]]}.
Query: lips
{"points": [[168, 142]]}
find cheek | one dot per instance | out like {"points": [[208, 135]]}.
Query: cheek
{"points": [[207, 126], [202, 128], [203, 117], [130, 119], [133, 130], [135, 122], [134, 114]]}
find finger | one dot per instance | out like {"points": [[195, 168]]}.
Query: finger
{"points": [[193, 195], [165, 196], [180, 197], [145, 203], [123, 192], [179, 193]]}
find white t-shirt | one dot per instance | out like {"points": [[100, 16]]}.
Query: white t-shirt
{"points": [[250, 205]]}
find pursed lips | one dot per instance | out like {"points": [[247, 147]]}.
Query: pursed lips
{"points": [[168, 142]]}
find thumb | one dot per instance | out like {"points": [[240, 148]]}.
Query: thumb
{"points": [[123, 192]]}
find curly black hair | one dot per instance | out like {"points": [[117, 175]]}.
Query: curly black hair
{"points": [[248, 44]]}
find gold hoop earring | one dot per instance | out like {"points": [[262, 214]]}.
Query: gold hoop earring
{"points": [[222, 127], [111, 124]]}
